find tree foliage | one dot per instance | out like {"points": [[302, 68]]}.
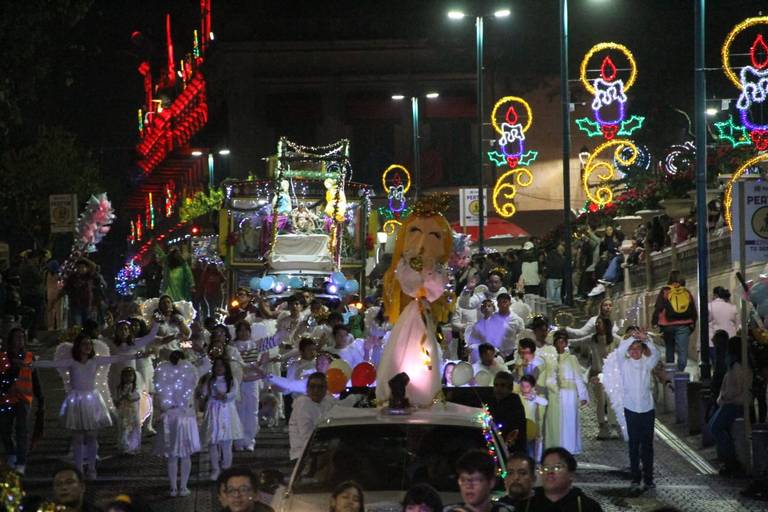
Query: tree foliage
{"points": [[53, 164]]}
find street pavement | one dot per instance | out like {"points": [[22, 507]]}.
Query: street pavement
{"points": [[683, 473]]}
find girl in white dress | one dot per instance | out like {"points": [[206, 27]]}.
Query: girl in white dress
{"points": [[84, 410], [173, 326], [219, 390], [535, 409], [248, 403], [127, 397], [178, 438]]}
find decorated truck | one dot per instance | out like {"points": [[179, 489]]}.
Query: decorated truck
{"points": [[300, 228]]}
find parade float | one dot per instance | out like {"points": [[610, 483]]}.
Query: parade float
{"points": [[301, 227]]}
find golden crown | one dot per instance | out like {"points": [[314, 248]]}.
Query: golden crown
{"points": [[433, 204]]}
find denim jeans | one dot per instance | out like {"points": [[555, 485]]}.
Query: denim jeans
{"points": [[613, 272], [640, 431], [555, 290], [720, 426], [14, 433], [676, 340]]}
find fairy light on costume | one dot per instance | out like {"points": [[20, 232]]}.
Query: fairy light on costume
{"points": [[609, 92]]}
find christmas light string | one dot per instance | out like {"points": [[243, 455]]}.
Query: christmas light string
{"points": [[608, 90], [752, 81], [489, 427], [603, 193]]}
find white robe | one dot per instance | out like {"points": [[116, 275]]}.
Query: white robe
{"points": [[412, 347], [563, 423]]}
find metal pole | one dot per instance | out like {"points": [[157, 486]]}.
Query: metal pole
{"points": [[416, 148], [744, 315], [481, 183], [700, 96], [566, 105]]}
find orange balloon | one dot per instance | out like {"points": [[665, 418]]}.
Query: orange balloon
{"points": [[337, 381]]}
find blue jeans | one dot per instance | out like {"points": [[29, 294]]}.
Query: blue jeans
{"points": [[676, 340], [720, 426], [640, 431], [555, 290], [613, 272], [14, 432]]}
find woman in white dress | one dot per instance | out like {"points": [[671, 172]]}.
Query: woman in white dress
{"points": [[84, 411], [219, 390], [178, 438]]}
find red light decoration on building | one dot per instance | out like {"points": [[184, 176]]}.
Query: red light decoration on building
{"points": [[165, 129]]}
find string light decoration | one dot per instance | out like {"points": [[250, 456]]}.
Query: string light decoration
{"points": [[511, 152], [391, 226], [504, 191], [733, 133], [395, 188], [728, 198], [511, 142], [642, 163], [150, 212], [608, 90], [752, 81], [489, 427], [12, 493], [603, 193], [126, 278], [680, 158], [169, 196]]}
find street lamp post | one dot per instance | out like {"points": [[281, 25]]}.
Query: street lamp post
{"points": [[416, 137], [481, 180], [416, 147], [702, 249], [566, 112], [458, 15]]}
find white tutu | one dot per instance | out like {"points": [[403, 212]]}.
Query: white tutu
{"points": [[222, 422], [178, 435], [85, 410]]}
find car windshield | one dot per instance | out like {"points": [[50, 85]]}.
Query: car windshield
{"points": [[385, 457]]}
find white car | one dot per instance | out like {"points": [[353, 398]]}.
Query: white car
{"points": [[386, 454]]}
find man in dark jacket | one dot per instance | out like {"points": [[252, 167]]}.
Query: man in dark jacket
{"points": [[557, 494], [508, 412], [239, 491]]}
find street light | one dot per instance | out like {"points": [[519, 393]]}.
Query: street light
{"points": [[416, 146], [459, 15], [565, 98], [711, 111], [224, 152]]}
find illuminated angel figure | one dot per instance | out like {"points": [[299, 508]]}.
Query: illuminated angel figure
{"points": [[415, 300]]}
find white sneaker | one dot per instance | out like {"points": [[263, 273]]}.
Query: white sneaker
{"points": [[215, 474], [184, 492], [91, 475], [20, 469], [173, 493]]}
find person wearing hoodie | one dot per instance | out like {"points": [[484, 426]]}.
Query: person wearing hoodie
{"points": [[557, 493]]}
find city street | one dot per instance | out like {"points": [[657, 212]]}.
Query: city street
{"points": [[602, 471]]}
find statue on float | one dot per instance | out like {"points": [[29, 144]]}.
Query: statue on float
{"points": [[415, 300]]}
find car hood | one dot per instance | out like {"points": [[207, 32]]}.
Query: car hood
{"points": [[375, 501]]}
